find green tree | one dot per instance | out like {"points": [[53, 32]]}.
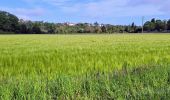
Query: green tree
{"points": [[133, 28], [8, 22], [159, 25], [36, 29], [168, 24], [153, 20], [23, 28], [104, 29], [96, 24], [149, 26]]}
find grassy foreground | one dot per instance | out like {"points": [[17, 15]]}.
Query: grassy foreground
{"points": [[40, 67]]}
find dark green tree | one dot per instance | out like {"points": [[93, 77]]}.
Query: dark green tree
{"points": [[8, 22], [104, 29], [36, 29], [168, 24], [159, 25]]}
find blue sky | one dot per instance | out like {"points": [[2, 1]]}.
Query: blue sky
{"points": [[102, 11]]}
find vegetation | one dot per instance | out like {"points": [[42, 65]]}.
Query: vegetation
{"points": [[10, 23], [133, 66], [157, 25]]}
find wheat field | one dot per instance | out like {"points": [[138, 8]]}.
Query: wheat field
{"points": [[83, 67]]}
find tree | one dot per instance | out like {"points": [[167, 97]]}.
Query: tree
{"points": [[97, 30], [23, 28], [89, 29], [153, 20], [104, 29], [149, 26], [96, 24], [36, 29], [168, 24], [133, 28], [165, 25], [127, 29], [49, 27], [159, 25], [8, 22]]}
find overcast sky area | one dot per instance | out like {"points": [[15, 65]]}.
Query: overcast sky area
{"points": [[103, 11]]}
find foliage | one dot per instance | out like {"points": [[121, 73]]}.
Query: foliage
{"points": [[9, 22], [156, 25]]}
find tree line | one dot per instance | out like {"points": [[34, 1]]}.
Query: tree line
{"points": [[157, 25], [10, 23]]}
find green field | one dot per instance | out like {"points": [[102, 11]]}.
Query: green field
{"points": [[62, 67]]}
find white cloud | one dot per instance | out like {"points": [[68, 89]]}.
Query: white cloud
{"points": [[51, 2], [93, 9], [25, 13], [57, 2], [30, 12], [110, 8]]}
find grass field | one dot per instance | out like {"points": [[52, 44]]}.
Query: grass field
{"points": [[40, 67]]}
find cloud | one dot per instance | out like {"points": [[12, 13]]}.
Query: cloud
{"points": [[162, 6], [51, 2], [93, 10], [25, 13], [57, 2], [110, 9], [144, 2], [30, 12]]}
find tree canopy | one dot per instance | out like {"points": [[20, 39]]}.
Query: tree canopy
{"points": [[8, 22]]}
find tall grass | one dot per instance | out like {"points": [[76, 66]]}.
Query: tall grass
{"points": [[39, 67]]}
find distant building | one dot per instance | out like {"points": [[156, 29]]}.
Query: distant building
{"points": [[69, 24]]}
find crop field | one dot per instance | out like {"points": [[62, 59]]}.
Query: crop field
{"points": [[85, 67]]}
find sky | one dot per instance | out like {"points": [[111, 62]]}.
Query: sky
{"points": [[115, 12]]}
